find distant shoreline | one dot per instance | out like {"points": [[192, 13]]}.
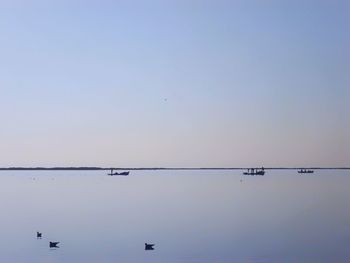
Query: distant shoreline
{"points": [[159, 168]]}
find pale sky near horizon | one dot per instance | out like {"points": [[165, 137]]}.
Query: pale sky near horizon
{"points": [[175, 83]]}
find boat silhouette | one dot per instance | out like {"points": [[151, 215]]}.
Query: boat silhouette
{"points": [[38, 235], [116, 173], [254, 171], [305, 171], [149, 246], [54, 244]]}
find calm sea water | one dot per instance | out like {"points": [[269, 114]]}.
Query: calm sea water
{"points": [[191, 216]]}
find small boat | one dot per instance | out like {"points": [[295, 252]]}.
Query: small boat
{"points": [[149, 246], [38, 235], [305, 171], [54, 244], [116, 173], [253, 171]]}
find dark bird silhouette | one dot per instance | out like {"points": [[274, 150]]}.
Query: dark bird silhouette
{"points": [[38, 235], [149, 246], [54, 244]]}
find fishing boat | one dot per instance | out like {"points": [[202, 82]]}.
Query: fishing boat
{"points": [[116, 173], [254, 171], [305, 171]]}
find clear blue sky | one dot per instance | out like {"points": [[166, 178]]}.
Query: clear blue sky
{"points": [[175, 83]]}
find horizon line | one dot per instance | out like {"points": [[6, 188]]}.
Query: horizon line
{"points": [[95, 168]]}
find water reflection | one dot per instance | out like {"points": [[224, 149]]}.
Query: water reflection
{"points": [[192, 216]]}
